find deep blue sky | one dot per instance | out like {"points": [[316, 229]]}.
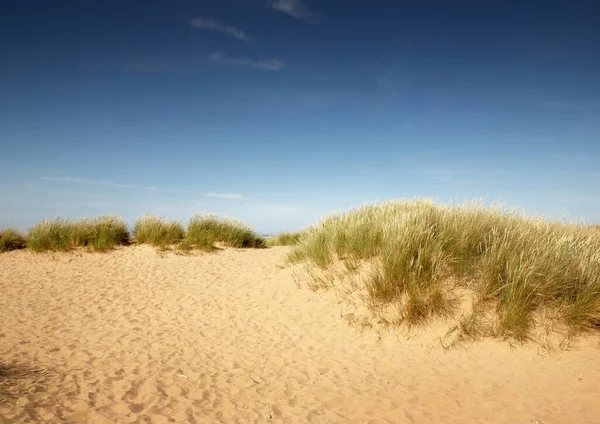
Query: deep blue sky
{"points": [[279, 112]]}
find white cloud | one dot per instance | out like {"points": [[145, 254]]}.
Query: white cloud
{"points": [[234, 196], [299, 9], [73, 180], [211, 23], [264, 65], [99, 182]]}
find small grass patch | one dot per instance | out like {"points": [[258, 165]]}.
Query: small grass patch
{"points": [[204, 230], [158, 231], [284, 239], [11, 239], [100, 234], [16, 380], [514, 264]]}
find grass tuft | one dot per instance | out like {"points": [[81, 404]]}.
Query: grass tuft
{"points": [[11, 239], [15, 378], [419, 306], [471, 326], [284, 239], [204, 230], [62, 234], [157, 231], [518, 264]]}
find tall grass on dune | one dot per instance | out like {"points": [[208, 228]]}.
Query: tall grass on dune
{"points": [[100, 234], [284, 239], [11, 239], [514, 266], [205, 229], [158, 231]]}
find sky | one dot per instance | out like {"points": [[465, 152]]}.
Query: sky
{"points": [[279, 112]]}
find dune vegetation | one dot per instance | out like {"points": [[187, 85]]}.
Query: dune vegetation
{"points": [[105, 232], [419, 259], [157, 231], [284, 239], [100, 234], [11, 239], [206, 229], [418, 255]]}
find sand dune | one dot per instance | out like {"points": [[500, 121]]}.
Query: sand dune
{"points": [[136, 335]]}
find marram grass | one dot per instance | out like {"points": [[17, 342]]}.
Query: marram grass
{"points": [[157, 231], [102, 233], [98, 234], [206, 229], [284, 239], [514, 266], [11, 239]]}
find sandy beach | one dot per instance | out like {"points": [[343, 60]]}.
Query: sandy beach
{"points": [[138, 335]]}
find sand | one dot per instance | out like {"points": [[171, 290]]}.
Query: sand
{"points": [[136, 335]]}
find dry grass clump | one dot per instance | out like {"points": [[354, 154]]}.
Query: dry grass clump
{"points": [[157, 231], [515, 264], [16, 380], [206, 229], [11, 239], [98, 234], [9, 376], [284, 239]]}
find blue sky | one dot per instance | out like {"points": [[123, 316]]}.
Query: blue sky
{"points": [[279, 112]]}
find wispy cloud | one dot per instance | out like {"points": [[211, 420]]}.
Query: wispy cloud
{"points": [[299, 9], [73, 180], [147, 66], [233, 196], [264, 65], [97, 182], [211, 23]]}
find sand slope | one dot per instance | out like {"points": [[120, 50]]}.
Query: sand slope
{"points": [[138, 336]]}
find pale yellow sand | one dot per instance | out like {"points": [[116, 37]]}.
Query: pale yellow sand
{"points": [[139, 336]]}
